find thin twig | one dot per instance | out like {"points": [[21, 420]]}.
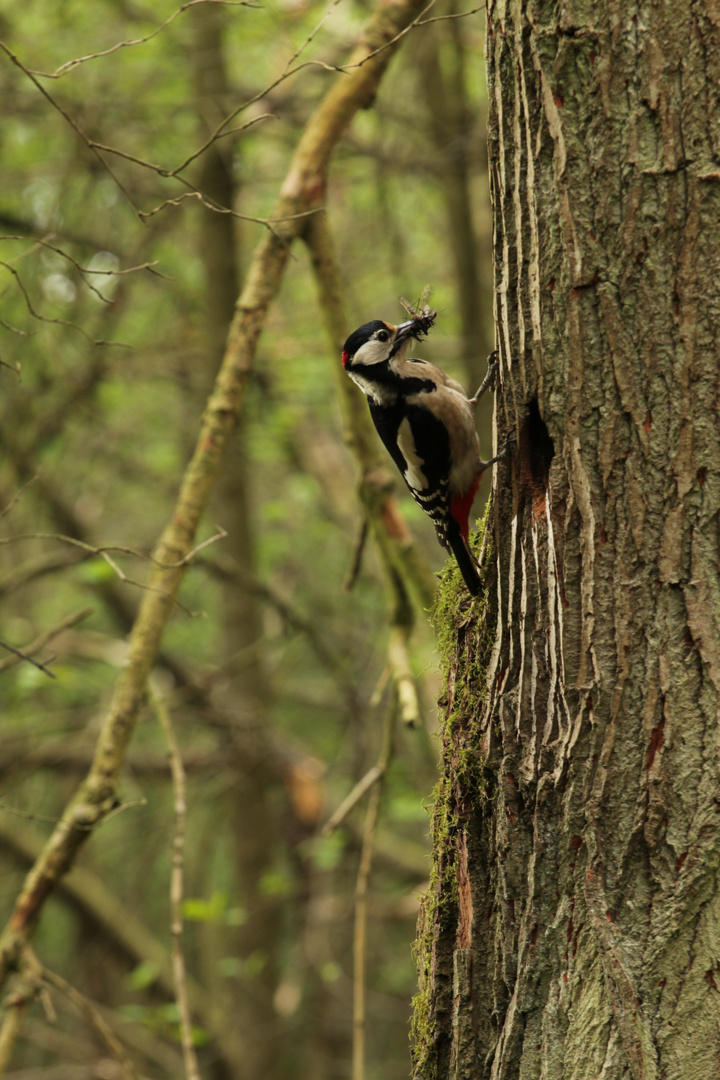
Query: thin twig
{"points": [[68, 118], [290, 71], [176, 886], [380, 687], [15, 1010], [17, 496], [40, 642], [31, 569], [216, 208], [119, 549], [46, 318], [20, 333], [371, 777], [98, 149], [393, 41], [93, 1015], [27, 816], [361, 897], [26, 990], [354, 571], [228, 571], [20, 655], [38, 242], [455, 15], [104, 553], [313, 33], [70, 65], [95, 148]]}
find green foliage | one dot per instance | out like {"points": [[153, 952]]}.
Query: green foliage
{"points": [[143, 976], [216, 909]]}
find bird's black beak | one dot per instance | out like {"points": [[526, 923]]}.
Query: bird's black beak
{"points": [[405, 330], [403, 333]]}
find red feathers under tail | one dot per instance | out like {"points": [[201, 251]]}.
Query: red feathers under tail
{"points": [[461, 506], [457, 536]]}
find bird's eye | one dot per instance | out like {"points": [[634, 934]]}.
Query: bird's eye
{"points": [[382, 335]]}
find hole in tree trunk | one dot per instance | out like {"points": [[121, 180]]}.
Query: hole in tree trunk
{"points": [[536, 452]]}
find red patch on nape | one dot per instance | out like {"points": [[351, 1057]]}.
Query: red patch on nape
{"points": [[461, 506], [345, 358]]}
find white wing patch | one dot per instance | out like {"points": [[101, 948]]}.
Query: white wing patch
{"points": [[414, 476]]}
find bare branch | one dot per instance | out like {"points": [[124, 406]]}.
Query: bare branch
{"points": [[45, 318], [217, 209], [361, 896], [32, 569], [20, 655], [221, 133], [350, 801], [70, 65], [149, 266], [40, 643], [292, 618], [354, 571], [68, 118], [16, 1006], [120, 925], [28, 816], [313, 33], [16, 498], [455, 15], [120, 549], [96, 148], [393, 41], [20, 333], [95, 1018], [177, 887], [103, 551]]}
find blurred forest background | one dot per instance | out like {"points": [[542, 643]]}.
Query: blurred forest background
{"points": [[274, 674]]}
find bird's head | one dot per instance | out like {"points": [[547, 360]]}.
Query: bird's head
{"points": [[376, 342]]}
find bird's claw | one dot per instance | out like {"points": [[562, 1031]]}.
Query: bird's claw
{"points": [[488, 382], [509, 441]]}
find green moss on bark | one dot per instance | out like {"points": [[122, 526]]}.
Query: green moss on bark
{"points": [[464, 640]]}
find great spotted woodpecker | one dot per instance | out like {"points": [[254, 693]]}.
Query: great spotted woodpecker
{"points": [[427, 423]]}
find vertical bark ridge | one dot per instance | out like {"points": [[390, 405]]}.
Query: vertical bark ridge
{"points": [[593, 843]]}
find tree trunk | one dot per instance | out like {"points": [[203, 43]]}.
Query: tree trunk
{"points": [[573, 924]]}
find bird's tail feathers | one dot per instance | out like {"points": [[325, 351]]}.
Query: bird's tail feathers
{"points": [[465, 560]]}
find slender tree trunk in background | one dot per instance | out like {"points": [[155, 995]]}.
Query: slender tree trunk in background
{"points": [[452, 127], [246, 694], [454, 132], [573, 929]]}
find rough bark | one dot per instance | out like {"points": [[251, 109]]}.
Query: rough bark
{"points": [[573, 925]]}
